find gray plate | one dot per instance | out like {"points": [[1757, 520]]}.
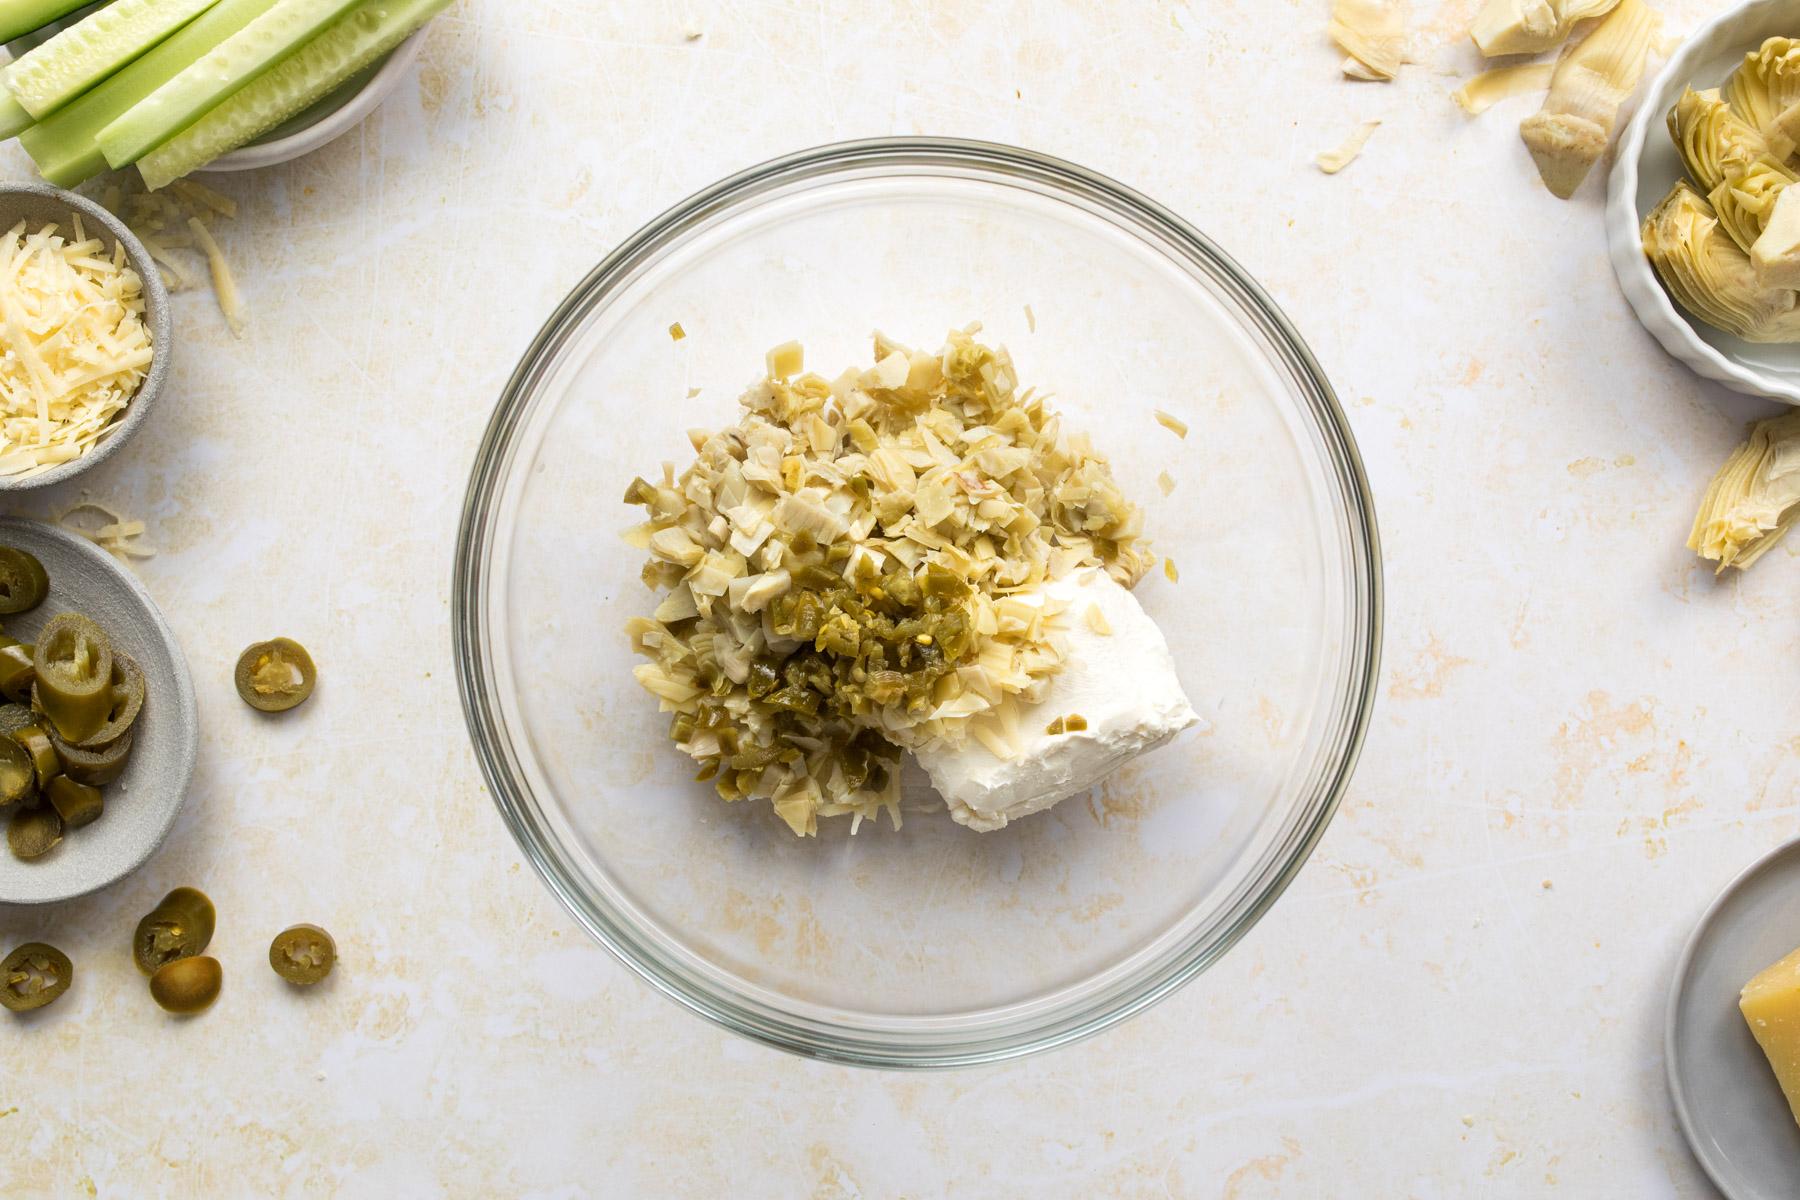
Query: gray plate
{"points": [[1726, 1097], [143, 802]]}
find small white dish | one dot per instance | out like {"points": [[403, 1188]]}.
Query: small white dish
{"points": [[1726, 1097], [1645, 167]]}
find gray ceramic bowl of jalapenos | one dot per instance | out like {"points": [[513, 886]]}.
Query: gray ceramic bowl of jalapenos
{"points": [[136, 750]]}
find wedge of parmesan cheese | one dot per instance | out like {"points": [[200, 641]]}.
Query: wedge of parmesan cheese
{"points": [[73, 345]]}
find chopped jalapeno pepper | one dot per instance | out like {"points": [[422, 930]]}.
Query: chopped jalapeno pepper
{"points": [[35, 740], [33, 832], [74, 663], [18, 671], [93, 767], [275, 676], [303, 954], [23, 583], [14, 717], [18, 781], [34, 975], [180, 926], [76, 803], [187, 985], [127, 702]]}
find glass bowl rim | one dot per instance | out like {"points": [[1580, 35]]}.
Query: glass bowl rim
{"points": [[926, 1043]]}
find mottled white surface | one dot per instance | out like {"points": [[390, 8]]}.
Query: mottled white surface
{"points": [[1581, 735]]}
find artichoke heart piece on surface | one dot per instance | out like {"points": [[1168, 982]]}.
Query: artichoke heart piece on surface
{"points": [[1710, 276], [1753, 499], [1481, 92], [1373, 34], [1593, 79], [1745, 199], [1712, 139], [1765, 91], [1530, 26]]}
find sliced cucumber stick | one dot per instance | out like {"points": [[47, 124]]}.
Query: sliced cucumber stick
{"points": [[90, 50], [13, 117], [356, 40], [63, 144], [236, 61], [27, 16]]}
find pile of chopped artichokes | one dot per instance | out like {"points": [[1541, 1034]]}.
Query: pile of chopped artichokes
{"points": [[1720, 244], [853, 569]]}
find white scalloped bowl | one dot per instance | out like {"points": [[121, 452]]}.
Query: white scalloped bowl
{"points": [[1646, 165]]}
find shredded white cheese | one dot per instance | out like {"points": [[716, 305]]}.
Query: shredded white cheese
{"points": [[75, 345], [118, 535], [224, 286]]}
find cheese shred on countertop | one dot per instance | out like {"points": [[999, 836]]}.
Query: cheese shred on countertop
{"points": [[73, 345]]}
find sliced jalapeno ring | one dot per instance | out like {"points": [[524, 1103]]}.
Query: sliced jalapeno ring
{"points": [[76, 803], [35, 740], [187, 985], [74, 663], [23, 583], [97, 768], [275, 676], [303, 954], [18, 779], [34, 975], [17, 716], [18, 671], [180, 926], [127, 702], [33, 832]]}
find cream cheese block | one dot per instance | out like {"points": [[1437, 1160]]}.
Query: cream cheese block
{"points": [[1117, 678]]}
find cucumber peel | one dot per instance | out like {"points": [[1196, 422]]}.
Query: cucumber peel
{"points": [[63, 144], [349, 45], [28, 16], [67, 65], [227, 67], [13, 117]]}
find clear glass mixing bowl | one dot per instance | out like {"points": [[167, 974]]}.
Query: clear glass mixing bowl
{"points": [[933, 945]]}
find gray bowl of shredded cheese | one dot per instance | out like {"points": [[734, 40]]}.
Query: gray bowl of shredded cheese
{"points": [[84, 335]]}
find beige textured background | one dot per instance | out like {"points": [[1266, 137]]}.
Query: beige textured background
{"points": [[1581, 737]]}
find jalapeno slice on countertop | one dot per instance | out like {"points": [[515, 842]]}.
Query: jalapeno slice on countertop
{"points": [[187, 985], [18, 777], [34, 975], [180, 926], [34, 832], [76, 803], [303, 954], [276, 675], [18, 671], [23, 583], [127, 703], [74, 663], [97, 768]]}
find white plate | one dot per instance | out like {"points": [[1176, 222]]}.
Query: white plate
{"points": [[1726, 1097], [1645, 167]]}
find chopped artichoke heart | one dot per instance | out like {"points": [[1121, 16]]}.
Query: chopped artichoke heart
{"points": [[1593, 79], [1754, 498], [1530, 26], [1745, 199], [1372, 33], [1333, 161], [1481, 92], [1712, 139], [1775, 255], [1709, 275], [1764, 91], [853, 569]]}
